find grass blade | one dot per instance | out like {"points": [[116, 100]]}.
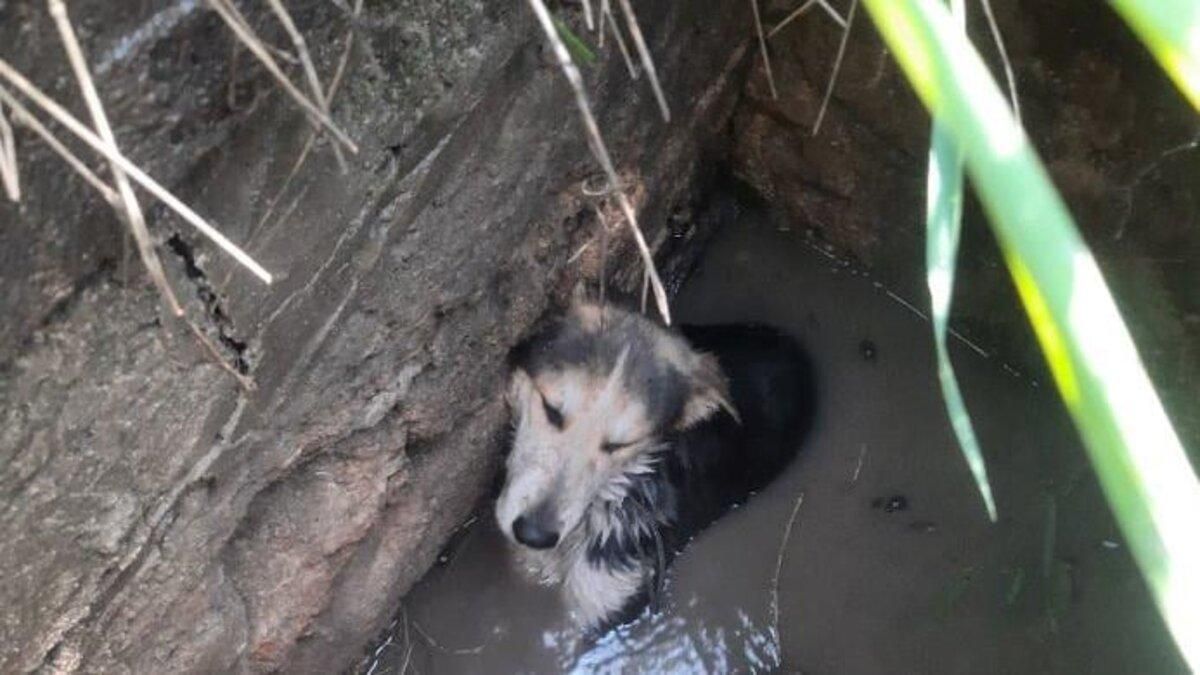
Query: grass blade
{"points": [[1134, 450], [1169, 30], [943, 230], [579, 50]]}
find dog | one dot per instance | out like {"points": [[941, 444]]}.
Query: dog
{"points": [[629, 438]]}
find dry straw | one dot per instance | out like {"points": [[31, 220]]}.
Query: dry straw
{"points": [[600, 151]]}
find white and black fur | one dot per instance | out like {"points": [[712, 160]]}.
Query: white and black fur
{"points": [[629, 438]]}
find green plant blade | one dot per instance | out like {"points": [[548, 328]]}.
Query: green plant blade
{"points": [[579, 50], [1170, 29], [1134, 450], [943, 230]]}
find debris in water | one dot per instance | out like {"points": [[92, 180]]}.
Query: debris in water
{"points": [[923, 526], [1015, 586], [867, 349], [891, 504], [862, 455]]}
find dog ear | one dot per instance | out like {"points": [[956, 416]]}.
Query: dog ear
{"points": [[520, 386], [708, 391]]}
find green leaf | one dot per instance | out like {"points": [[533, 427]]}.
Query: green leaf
{"points": [[1170, 29], [943, 229], [1135, 452], [579, 50]]}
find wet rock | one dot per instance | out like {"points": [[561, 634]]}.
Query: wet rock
{"points": [[158, 518]]}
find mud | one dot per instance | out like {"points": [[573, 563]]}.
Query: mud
{"points": [[891, 565]]}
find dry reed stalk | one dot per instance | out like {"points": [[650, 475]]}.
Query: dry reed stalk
{"points": [[587, 15], [762, 47], [131, 210], [60, 114], [621, 46], [837, 66], [23, 117], [600, 151], [802, 10], [9, 170], [635, 31], [238, 24], [310, 70], [334, 85]]}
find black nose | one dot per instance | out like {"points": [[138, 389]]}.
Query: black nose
{"points": [[533, 534]]}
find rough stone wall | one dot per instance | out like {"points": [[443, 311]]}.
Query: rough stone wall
{"points": [[1120, 143], [157, 518]]}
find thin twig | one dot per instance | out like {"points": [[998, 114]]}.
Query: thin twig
{"points": [[334, 84], [580, 251], [408, 644], [862, 457], [131, 211], [645, 289], [600, 151], [246, 383], [762, 47], [635, 31], [833, 14], [802, 10], [23, 85], [24, 118], [837, 66], [9, 170], [787, 536], [587, 15], [242, 30], [235, 52], [279, 53], [796, 14], [310, 70], [340, 71], [605, 9], [621, 46], [603, 222], [1008, 70], [445, 650]]}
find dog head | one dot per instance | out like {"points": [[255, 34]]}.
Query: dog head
{"points": [[592, 397]]}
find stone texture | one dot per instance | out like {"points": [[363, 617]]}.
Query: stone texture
{"points": [[160, 519]]}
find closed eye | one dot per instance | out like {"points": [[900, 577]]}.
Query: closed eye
{"points": [[611, 447], [553, 415]]}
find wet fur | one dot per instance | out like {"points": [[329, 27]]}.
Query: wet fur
{"points": [[721, 408]]}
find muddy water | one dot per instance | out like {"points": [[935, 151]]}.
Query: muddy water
{"points": [[891, 565]]}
